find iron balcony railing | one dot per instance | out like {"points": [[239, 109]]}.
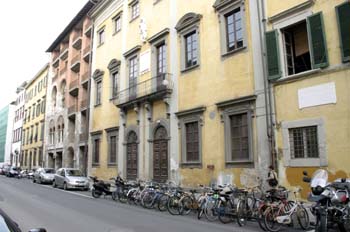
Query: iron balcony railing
{"points": [[152, 87]]}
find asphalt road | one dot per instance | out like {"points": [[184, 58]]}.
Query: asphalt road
{"points": [[33, 205]]}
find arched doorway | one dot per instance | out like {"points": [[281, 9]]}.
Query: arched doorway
{"points": [[131, 156], [160, 155]]}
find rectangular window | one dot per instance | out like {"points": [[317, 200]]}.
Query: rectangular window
{"points": [[96, 152], [42, 131], [112, 149], [239, 137], [36, 132], [192, 142], [133, 74], [98, 92], [135, 10], [191, 49], [33, 115], [114, 84], [161, 59], [296, 47], [38, 110], [234, 31], [303, 142], [117, 24], [101, 36]]}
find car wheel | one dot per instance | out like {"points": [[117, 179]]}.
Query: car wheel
{"points": [[33, 180], [65, 186], [39, 180], [54, 184]]}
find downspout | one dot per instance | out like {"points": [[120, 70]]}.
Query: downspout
{"points": [[267, 87], [87, 127]]}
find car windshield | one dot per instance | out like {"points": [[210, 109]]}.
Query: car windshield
{"points": [[3, 225], [49, 171], [74, 173], [15, 169]]}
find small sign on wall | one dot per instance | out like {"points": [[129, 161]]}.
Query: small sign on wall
{"points": [[145, 62], [317, 95]]}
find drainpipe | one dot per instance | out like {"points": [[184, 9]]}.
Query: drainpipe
{"points": [[267, 87]]}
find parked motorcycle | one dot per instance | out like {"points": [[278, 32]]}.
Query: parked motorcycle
{"points": [[100, 187], [332, 201]]}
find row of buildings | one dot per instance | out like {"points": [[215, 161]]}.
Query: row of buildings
{"points": [[194, 92]]}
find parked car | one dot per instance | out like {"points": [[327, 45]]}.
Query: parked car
{"points": [[1, 171], [23, 174], [70, 178], [44, 175], [30, 174], [6, 169], [13, 172], [7, 224]]}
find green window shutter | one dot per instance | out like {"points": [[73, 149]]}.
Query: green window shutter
{"points": [[343, 17], [272, 53], [317, 41]]}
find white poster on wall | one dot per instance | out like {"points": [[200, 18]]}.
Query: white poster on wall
{"points": [[145, 62], [317, 95]]}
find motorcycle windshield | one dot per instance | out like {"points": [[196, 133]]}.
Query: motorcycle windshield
{"points": [[319, 178]]}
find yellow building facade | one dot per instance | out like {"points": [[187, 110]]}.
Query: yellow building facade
{"points": [[34, 121], [178, 92], [308, 53]]}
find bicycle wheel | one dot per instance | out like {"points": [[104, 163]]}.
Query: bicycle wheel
{"points": [[122, 196], [162, 202], [115, 196], [211, 210], [303, 217], [226, 213], [186, 205], [270, 221], [148, 199], [174, 205], [260, 217], [242, 212]]}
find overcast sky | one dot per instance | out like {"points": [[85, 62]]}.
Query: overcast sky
{"points": [[28, 27]]}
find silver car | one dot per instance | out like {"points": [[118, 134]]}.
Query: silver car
{"points": [[44, 175], [69, 178]]}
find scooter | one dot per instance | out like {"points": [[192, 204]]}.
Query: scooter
{"points": [[99, 187]]}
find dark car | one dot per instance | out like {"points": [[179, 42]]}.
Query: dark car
{"points": [[13, 172], [8, 225]]}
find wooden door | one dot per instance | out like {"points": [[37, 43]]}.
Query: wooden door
{"points": [[160, 155], [131, 156]]}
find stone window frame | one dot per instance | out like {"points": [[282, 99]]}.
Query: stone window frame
{"points": [[130, 54], [188, 24], [132, 4], [115, 19], [97, 135], [101, 39], [114, 68], [98, 76], [113, 131], [242, 105], [321, 139], [189, 116], [160, 38], [223, 7]]}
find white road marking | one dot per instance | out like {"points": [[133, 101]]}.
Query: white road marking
{"points": [[74, 193]]}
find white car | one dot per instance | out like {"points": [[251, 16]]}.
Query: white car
{"points": [[70, 178]]}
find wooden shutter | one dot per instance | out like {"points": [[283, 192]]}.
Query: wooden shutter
{"points": [[343, 17], [317, 41], [272, 53]]}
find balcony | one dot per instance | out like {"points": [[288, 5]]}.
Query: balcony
{"points": [[74, 87], [75, 67], [83, 138], [71, 111], [86, 53], [64, 53], [83, 104], [153, 89], [88, 29], [63, 71], [77, 41], [85, 79], [54, 77], [56, 62]]}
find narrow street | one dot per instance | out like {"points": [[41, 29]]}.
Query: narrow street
{"points": [[33, 205]]}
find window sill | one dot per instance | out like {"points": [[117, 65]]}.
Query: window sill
{"points": [[97, 105], [133, 19], [298, 76], [116, 32], [306, 162], [240, 164], [229, 53], [95, 165], [191, 165], [156, 1], [190, 68], [112, 165], [99, 45]]}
